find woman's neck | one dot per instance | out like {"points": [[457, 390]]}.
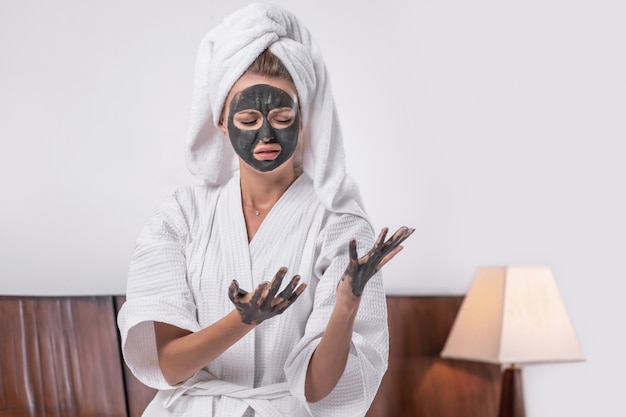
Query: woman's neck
{"points": [[261, 190]]}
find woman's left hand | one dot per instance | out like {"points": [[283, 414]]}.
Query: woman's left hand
{"points": [[360, 270]]}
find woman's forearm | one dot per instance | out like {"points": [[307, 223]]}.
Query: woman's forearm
{"points": [[329, 359], [183, 353]]}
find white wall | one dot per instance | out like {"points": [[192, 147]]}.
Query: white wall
{"points": [[496, 129]]}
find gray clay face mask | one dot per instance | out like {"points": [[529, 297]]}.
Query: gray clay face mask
{"points": [[263, 126]]}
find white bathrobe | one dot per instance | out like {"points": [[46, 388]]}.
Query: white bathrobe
{"points": [[194, 245]]}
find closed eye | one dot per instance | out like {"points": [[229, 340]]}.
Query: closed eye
{"points": [[282, 117], [247, 119]]}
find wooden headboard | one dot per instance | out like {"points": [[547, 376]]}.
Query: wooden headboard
{"points": [[418, 382], [60, 356]]}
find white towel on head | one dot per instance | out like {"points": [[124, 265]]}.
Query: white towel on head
{"points": [[224, 55]]}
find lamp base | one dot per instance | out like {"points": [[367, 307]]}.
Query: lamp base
{"points": [[511, 398]]}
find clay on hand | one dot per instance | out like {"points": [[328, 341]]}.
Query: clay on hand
{"points": [[360, 270], [263, 303]]}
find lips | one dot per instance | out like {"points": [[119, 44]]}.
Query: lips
{"points": [[267, 152]]}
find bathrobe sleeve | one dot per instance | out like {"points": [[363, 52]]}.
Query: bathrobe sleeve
{"points": [[367, 360], [157, 286]]}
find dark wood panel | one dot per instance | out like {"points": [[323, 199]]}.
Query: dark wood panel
{"points": [[419, 326], [138, 394], [418, 382], [59, 357]]}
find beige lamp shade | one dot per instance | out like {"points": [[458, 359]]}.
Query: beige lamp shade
{"points": [[513, 315]]}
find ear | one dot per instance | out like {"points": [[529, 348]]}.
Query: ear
{"points": [[222, 125]]}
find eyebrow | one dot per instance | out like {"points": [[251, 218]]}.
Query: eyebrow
{"points": [[252, 111]]}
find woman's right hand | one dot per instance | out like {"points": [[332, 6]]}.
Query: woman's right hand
{"points": [[263, 303]]}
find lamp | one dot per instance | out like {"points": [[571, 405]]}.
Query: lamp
{"points": [[513, 316]]}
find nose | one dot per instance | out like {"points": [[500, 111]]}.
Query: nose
{"points": [[266, 132]]}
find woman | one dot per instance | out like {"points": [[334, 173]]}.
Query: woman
{"points": [[189, 327]]}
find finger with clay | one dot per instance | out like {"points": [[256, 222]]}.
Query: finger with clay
{"points": [[360, 270], [264, 303]]}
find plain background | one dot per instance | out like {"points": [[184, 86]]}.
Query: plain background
{"points": [[494, 128]]}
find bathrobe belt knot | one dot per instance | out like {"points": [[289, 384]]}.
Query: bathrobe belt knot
{"points": [[260, 399]]}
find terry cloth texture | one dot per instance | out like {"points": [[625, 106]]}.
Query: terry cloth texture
{"points": [[187, 255]]}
